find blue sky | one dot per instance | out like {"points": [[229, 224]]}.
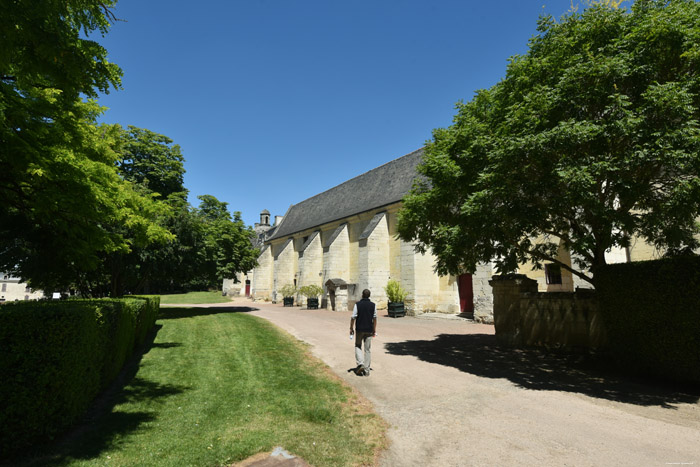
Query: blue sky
{"points": [[274, 101]]}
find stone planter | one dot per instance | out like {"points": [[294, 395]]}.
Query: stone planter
{"points": [[396, 309], [288, 301], [312, 303]]}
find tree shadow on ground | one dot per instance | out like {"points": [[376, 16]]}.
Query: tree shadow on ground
{"points": [[480, 355], [183, 312], [101, 427]]}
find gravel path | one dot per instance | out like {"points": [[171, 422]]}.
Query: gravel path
{"points": [[453, 398]]}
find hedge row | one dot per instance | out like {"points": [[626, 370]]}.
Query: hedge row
{"points": [[56, 356], [651, 311]]}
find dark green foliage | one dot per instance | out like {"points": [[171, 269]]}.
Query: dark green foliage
{"points": [[592, 138], [652, 315], [57, 356]]}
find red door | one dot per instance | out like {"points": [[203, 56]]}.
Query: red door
{"points": [[466, 293], [247, 288]]}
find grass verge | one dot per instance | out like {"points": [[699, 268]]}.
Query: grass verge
{"points": [[194, 298], [215, 388]]}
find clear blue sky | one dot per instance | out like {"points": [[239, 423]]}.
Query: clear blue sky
{"points": [[274, 101]]}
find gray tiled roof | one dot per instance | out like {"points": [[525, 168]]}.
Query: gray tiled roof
{"points": [[379, 187]]}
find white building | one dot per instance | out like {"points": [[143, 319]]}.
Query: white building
{"points": [[11, 289]]}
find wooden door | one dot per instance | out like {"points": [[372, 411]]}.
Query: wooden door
{"points": [[466, 293]]}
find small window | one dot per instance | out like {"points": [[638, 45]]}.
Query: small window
{"points": [[552, 272], [26, 297]]}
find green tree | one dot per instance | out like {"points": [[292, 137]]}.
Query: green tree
{"points": [[58, 179], [592, 138], [151, 159], [226, 246]]}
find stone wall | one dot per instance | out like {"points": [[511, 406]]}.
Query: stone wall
{"points": [[261, 287], [284, 267], [373, 259], [560, 320], [336, 257], [363, 250], [483, 295], [310, 264]]}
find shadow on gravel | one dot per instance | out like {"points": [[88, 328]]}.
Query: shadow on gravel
{"points": [[102, 426], [182, 312], [480, 355]]}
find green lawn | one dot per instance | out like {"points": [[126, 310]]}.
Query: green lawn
{"points": [[217, 387], [193, 298]]}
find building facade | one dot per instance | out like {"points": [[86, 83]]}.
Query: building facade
{"points": [[12, 289], [345, 240]]}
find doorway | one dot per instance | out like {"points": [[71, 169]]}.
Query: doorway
{"points": [[466, 295]]}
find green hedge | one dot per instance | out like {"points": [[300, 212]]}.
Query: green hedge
{"points": [[652, 314], [56, 356]]}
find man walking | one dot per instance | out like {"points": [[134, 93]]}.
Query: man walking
{"points": [[364, 324]]}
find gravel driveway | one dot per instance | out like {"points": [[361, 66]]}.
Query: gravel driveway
{"points": [[452, 397]]}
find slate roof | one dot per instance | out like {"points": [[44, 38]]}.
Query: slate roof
{"points": [[385, 185]]}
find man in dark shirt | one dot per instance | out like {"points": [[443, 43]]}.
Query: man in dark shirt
{"points": [[364, 324]]}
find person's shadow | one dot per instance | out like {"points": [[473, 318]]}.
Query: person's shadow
{"points": [[480, 355]]}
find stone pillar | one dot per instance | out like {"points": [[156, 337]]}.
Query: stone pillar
{"points": [[336, 258], [261, 287], [310, 264], [373, 261], [284, 268], [506, 305], [483, 295]]}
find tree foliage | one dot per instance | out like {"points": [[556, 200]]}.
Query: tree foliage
{"points": [[89, 207], [57, 177], [591, 139]]}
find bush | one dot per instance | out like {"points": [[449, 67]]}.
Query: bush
{"points": [[395, 292], [288, 291], [57, 356], [311, 291], [651, 311]]}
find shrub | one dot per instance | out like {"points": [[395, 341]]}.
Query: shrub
{"points": [[288, 291], [57, 356], [651, 311], [395, 292], [311, 291]]}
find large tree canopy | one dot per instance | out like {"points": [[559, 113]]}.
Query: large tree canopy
{"points": [[58, 180], [591, 139]]}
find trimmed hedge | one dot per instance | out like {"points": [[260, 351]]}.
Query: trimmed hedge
{"points": [[651, 311], [56, 356]]}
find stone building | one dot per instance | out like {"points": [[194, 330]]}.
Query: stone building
{"points": [[12, 289], [344, 240], [240, 286]]}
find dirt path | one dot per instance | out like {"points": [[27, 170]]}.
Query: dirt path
{"points": [[452, 397]]}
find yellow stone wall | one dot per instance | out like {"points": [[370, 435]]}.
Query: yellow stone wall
{"points": [[374, 263], [310, 266], [284, 267], [367, 263], [261, 283]]}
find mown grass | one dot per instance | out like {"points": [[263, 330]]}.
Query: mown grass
{"points": [[217, 387], [194, 298]]}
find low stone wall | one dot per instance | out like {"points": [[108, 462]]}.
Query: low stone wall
{"points": [[559, 320]]}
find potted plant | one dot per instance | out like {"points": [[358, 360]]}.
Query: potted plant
{"points": [[311, 292], [396, 295], [288, 292]]}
